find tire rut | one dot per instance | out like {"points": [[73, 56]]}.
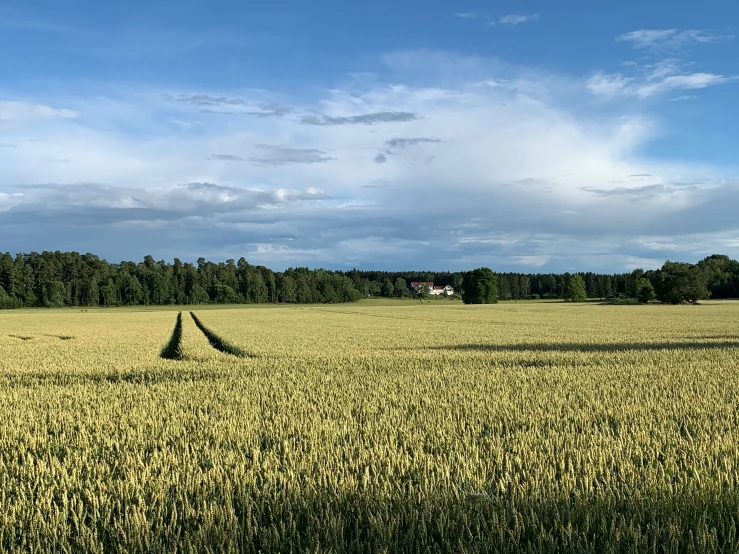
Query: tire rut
{"points": [[217, 342], [173, 349]]}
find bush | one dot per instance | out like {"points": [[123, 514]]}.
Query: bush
{"points": [[645, 291], [621, 301]]}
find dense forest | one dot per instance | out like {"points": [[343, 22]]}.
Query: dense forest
{"points": [[56, 279]]}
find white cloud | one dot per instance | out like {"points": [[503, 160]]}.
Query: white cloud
{"points": [[16, 114], [693, 81], [608, 85], [465, 15], [644, 38], [664, 75], [669, 38], [517, 19], [662, 69], [616, 84], [8, 201]]}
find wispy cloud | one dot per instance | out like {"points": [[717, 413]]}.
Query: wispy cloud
{"points": [[517, 19], [277, 155], [608, 84], [207, 100], [263, 111], [653, 191], [617, 84], [36, 25], [226, 158], [669, 38], [403, 142], [19, 113], [55, 159], [693, 81], [94, 203], [363, 119], [208, 103], [465, 15], [394, 144], [670, 73]]}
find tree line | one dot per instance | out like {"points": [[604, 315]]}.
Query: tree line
{"points": [[58, 279], [716, 276]]}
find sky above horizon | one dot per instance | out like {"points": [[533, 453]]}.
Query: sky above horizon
{"points": [[524, 136]]}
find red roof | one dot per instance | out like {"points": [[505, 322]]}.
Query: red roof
{"points": [[417, 283]]}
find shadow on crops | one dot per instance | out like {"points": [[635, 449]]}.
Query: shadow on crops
{"points": [[273, 520], [153, 377], [217, 342], [173, 349], [25, 338], [584, 347]]}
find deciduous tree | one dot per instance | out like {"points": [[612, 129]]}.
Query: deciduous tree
{"points": [[480, 286]]}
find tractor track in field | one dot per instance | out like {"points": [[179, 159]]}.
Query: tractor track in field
{"points": [[173, 349], [217, 342]]}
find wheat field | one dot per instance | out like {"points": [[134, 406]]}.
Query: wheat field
{"points": [[370, 427]]}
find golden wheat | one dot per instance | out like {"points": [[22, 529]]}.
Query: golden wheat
{"points": [[529, 427]]}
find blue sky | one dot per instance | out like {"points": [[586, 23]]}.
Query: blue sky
{"points": [[525, 136]]}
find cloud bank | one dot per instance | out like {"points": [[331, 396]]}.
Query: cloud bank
{"points": [[427, 173]]}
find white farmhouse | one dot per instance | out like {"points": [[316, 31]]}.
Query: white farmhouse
{"points": [[437, 291]]}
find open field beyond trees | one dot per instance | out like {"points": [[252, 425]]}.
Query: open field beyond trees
{"points": [[395, 427]]}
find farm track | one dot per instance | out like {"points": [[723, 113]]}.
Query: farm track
{"points": [[217, 342], [173, 349]]}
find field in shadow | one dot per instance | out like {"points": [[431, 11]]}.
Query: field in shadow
{"points": [[217, 342], [584, 347], [243, 519], [144, 377], [27, 337]]}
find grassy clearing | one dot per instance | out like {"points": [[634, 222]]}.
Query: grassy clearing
{"points": [[373, 428]]}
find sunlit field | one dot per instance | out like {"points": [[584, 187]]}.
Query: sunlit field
{"points": [[395, 427]]}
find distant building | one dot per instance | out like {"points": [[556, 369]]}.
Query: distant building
{"points": [[437, 291], [443, 291]]}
